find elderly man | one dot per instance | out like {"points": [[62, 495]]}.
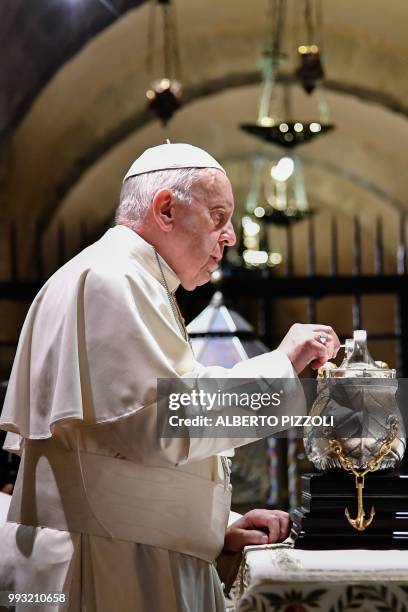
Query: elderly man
{"points": [[103, 509]]}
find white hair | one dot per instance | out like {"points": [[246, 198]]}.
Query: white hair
{"points": [[138, 191]]}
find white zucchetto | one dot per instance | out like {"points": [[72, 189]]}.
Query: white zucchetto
{"points": [[170, 156]]}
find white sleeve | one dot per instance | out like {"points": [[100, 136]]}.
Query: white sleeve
{"points": [[271, 365], [274, 364]]}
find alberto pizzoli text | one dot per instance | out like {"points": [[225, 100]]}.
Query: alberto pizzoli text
{"points": [[251, 420]]}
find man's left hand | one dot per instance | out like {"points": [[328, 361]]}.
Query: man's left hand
{"points": [[257, 527]]}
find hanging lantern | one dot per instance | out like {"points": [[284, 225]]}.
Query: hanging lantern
{"points": [[277, 193], [165, 93], [276, 124], [288, 134], [285, 192], [164, 98], [276, 197], [310, 70]]}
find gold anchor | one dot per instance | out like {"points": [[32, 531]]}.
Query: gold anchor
{"points": [[360, 522]]}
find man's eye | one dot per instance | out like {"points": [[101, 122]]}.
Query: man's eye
{"points": [[218, 218]]}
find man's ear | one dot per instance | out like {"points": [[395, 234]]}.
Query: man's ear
{"points": [[162, 208]]}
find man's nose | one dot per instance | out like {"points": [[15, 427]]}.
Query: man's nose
{"points": [[228, 236]]}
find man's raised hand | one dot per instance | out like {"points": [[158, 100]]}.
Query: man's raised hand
{"points": [[310, 343]]}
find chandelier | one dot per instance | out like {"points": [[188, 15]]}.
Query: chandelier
{"points": [[275, 124], [277, 193], [165, 91]]}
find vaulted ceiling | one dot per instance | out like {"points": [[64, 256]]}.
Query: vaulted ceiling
{"points": [[40, 37], [73, 115]]}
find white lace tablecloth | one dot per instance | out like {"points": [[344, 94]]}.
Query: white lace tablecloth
{"points": [[283, 579]]}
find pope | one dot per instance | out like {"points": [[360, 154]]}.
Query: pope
{"points": [[103, 510]]}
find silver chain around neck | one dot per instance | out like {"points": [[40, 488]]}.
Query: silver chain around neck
{"points": [[172, 301]]}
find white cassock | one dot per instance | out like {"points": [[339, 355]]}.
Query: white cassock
{"points": [[104, 510]]}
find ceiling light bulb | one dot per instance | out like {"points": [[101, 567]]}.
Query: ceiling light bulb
{"points": [[251, 229], [275, 258], [259, 211], [283, 169], [266, 121], [255, 258]]}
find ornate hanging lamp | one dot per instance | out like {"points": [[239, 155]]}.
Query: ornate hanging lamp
{"points": [[310, 71], [277, 193], [277, 125], [165, 91]]}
